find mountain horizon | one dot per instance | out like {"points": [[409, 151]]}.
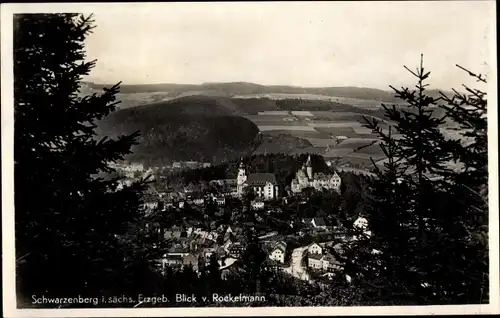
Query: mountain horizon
{"points": [[249, 88]]}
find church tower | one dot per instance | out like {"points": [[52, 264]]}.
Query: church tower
{"points": [[242, 177], [309, 168]]}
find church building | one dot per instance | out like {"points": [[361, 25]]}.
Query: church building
{"points": [[306, 178], [264, 185]]}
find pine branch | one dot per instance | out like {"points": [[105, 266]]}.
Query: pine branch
{"points": [[479, 77]]}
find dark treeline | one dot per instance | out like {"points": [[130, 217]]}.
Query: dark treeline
{"points": [[200, 129], [283, 166]]}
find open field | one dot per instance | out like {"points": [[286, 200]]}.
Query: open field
{"points": [[340, 124], [362, 130], [307, 150], [331, 116], [356, 142], [373, 149], [357, 149], [279, 96], [137, 99], [365, 156], [302, 113], [362, 103], [322, 142], [348, 132], [299, 133], [285, 127], [277, 119], [337, 152], [355, 162], [273, 113]]}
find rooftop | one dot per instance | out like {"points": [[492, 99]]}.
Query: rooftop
{"points": [[173, 257], [260, 178], [322, 176], [319, 221], [279, 245], [315, 256]]}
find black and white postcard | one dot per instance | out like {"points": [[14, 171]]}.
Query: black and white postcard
{"points": [[249, 158]]}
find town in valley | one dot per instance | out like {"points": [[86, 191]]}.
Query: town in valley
{"points": [[250, 155]]}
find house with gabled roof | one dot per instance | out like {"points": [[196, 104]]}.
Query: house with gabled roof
{"points": [[315, 248], [323, 262], [316, 223], [236, 249], [277, 252]]}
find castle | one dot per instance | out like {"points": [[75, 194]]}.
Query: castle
{"points": [[306, 178], [264, 185]]}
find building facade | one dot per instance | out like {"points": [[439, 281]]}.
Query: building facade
{"points": [[306, 178], [264, 185], [314, 248]]}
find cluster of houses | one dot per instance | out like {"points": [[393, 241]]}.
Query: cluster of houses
{"points": [[195, 247], [190, 165], [153, 200], [263, 185], [191, 246], [319, 258]]}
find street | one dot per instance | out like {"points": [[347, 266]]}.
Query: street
{"points": [[296, 268]]}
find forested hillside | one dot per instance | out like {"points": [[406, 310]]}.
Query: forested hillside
{"points": [[200, 129]]}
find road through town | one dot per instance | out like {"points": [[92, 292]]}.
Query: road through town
{"points": [[296, 269]]}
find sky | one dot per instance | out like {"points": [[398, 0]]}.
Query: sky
{"points": [[314, 44]]}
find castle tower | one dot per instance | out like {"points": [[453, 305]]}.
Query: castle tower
{"points": [[242, 177], [309, 168]]}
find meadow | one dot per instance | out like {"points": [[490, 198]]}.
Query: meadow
{"points": [[340, 135]]}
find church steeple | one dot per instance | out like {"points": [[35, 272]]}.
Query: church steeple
{"points": [[242, 177], [308, 163], [309, 168]]}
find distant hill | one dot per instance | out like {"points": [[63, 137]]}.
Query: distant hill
{"points": [[191, 128], [135, 95], [206, 122], [240, 88]]}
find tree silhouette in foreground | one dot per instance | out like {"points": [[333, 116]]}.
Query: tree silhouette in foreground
{"points": [[427, 208], [71, 226]]}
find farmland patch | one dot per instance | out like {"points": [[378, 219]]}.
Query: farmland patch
{"points": [[359, 163], [298, 133], [276, 119], [342, 124], [285, 127], [311, 150], [302, 113], [337, 152], [362, 130], [338, 131], [274, 112], [356, 142], [322, 142], [366, 156]]}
